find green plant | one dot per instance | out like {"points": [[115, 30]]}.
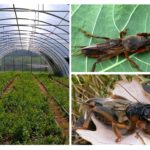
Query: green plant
{"points": [[108, 21], [60, 93], [5, 78], [25, 117]]}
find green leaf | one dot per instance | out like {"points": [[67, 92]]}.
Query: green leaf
{"points": [[108, 21]]}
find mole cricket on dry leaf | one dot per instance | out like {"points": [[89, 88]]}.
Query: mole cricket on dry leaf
{"points": [[113, 47], [120, 114]]}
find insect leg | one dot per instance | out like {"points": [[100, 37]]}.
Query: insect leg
{"points": [[117, 133], [131, 61], [147, 128], [83, 123], [123, 33], [112, 121], [103, 58], [89, 35], [131, 128], [99, 59], [116, 127]]}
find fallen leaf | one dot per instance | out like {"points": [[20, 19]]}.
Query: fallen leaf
{"points": [[132, 91], [105, 135]]}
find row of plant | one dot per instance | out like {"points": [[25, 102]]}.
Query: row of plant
{"points": [[63, 80], [25, 116], [5, 78], [60, 93]]}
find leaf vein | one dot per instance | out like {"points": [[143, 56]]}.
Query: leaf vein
{"points": [[130, 17], [113, 17], [116, 64], [75, 10], [93, 32]]}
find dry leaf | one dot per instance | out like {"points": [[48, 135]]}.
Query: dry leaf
{"points": [[132, 91], [105, 135]]}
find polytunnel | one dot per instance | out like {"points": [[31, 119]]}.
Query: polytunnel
{"points": [[43, 29]]}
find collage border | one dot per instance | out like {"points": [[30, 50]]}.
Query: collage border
{"points": [[70, 146]]}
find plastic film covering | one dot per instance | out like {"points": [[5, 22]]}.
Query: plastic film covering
{"points": [[38, 28]]}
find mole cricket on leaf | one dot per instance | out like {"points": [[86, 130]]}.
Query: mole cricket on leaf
{"points": [[138, 43]]}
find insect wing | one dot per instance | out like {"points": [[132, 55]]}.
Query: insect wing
{"points": [[96, 50], [91, 51]]}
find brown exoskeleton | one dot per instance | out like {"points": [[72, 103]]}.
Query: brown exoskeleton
{"points": [[113, 47], [120, 114]]}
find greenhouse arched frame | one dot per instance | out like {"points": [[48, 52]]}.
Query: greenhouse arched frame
{"points": [[43, 29]]}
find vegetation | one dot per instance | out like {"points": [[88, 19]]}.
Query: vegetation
{"points": [[25, 117], [85, 87], [89, 86], [5, 78], [108, 21], [60, 93], [63, 80]]}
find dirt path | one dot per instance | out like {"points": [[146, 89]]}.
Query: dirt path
{"points": [[62, 122], [9, 86]]}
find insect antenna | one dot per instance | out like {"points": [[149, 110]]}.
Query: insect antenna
{"points": [[77, 52], [129, 93], [84, 103]]}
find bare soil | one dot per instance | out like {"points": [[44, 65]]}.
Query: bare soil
{"points": [[9, 86]]}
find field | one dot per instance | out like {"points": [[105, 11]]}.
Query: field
{"points": [[31, 109]]}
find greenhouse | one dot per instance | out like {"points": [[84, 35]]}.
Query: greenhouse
{"points": [[41, 29], [34, 70]]}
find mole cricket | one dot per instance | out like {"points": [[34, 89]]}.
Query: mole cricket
{"points": [[138, 43]]}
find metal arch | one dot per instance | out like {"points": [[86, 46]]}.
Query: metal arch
{"points": [[35, 20], [40, 40], [34, 10], [54, 66], [46, 46], [10, 51], [64, 67], [42, 46], [58, 48], [23, 25], [5, 41], [65, 53], [56, 26], [32, 32], [31, 35], [57, 67]]}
